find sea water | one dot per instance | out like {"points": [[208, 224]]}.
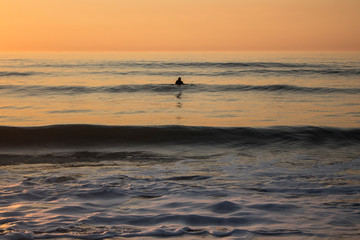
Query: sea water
{"points": [[253, 146]]}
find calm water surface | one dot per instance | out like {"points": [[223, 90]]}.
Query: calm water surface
{"points": [[222, 89]]}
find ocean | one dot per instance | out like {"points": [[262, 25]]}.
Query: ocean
{"points": [[252, 146]]}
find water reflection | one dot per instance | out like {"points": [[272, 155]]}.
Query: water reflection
{"points": [[179, 94], [179, 104]]}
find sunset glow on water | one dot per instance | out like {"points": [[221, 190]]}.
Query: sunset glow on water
{"points": [[98, 142]]}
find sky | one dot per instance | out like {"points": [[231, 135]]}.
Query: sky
{"points": [[179, 25]]}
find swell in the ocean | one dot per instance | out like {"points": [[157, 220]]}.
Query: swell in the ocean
{"points": [[178, 64], [99, 135], [161, 68], [9, 74], [164, 88]]}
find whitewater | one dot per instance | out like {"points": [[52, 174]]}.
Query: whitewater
{"points": [[106, 146]]}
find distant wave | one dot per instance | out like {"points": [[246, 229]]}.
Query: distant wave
{"points": [[161, 68], [8, 74], [219, 72], [192, 64], [169, 88], [277, 88], [59, 136]]}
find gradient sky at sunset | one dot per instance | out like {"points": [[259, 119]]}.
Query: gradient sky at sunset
{"points": [[179, 25]]}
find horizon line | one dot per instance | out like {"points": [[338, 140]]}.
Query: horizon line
{"points": [[180, 51]]}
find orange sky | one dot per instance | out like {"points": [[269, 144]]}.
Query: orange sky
{"points": [[179, 25]]}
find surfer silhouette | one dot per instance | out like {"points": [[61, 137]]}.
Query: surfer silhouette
{"points": [[179, 82]]}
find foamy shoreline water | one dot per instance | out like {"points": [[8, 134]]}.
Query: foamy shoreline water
{"points": [[235, 193]]}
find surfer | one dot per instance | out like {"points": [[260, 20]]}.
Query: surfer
{"points": [[179, 82]]}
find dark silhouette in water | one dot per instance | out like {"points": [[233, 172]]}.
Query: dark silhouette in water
{"points": [[179, 82]]}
